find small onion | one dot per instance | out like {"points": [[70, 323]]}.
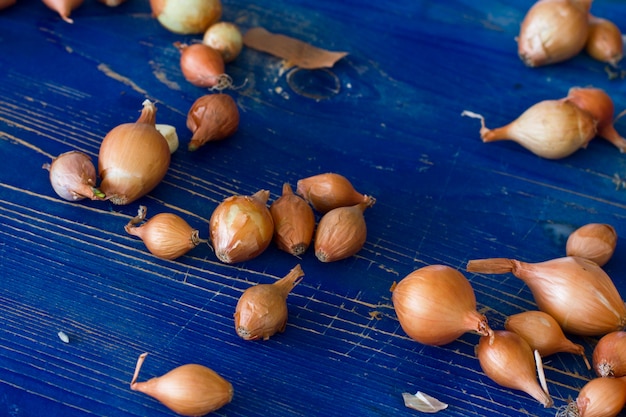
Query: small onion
{"points": [[186, 16], [241, 227], [133, 159], [577, 292], [600, 397], [593, 241], [166, 235], [73, 176], [212, 117], [329, 191], [609, 355], [203, 66], [261, 311], [6, 3], [64, 7], [436, 304], [226, 38], [294, 222], [190, 390], [508, 360], [604, 42]]}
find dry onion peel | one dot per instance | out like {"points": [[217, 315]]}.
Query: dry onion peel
{"points": [[423, 402], [295, 52]]}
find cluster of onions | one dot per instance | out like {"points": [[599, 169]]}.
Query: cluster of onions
{"points": [[166, 235], [556, 30], [555, 129], [190, 390], [261, 311], [64, 7]]}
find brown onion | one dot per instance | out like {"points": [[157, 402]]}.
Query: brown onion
{"points": [[575, 291], [6, 3], [508, 360], [63, 7], [189, 390], [600, 397], [166, 235], [553, 31], [329, 191], [186, 16], [261, 311], [226, 38], [593, 241], [73, 176], [203, 66], [600, 106], [436, 304], [212, 117], [543, 334], [241, 227], [294, 222], [609, 355], [604, 42], [133, 159]]}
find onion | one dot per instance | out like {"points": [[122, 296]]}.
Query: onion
{"points": [[73, 176], [575, 291], [212, 117], [294, 222], [609, 355], [203, 66], [436, 304], [604, 42], [508, 360], [593, 241], [600, 397], [186, 16], [6, 3], [226, 38], [63, 7], [329, 191], [133, 159]]}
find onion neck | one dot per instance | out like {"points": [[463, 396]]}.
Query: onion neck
{"points": [[609, 133], [148, 113]]}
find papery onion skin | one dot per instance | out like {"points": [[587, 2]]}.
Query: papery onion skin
{"points": [[73, 176], [261, 311], [329, 191], [575, 291], [166, 235], [190, 390], [600, 106], [186, 17], [436, 304], [133, 159], [604, 42], [609, 355], [508, 360], [212, 117], [241, 227], [63, 7], [553, 31], [593, 241]]}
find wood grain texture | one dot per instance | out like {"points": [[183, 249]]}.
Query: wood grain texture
{"points": [[394, 128]]}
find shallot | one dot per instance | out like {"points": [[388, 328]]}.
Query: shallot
{"points": [[212, 117], [609, 355], [73, 176]]}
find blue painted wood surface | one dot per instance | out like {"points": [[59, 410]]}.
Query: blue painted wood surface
{"points": [[394, 129]]}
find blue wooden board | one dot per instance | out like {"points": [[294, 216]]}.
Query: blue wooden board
{"points": [[394, 129]]}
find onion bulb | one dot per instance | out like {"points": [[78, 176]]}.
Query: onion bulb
{"points": [[598, 103], [186, 17], [604, 42], [553, 31], [166, 235], [189, 390], [226, 38], [575, 291], [593, 241], [329, 191], [600, 397], [73, 176], [543, 334], [609, 355], [508, 360], [294, 222], [6, 3], [63, 7], [133, 159], [261, 311], [552, 129], [203, 66], [212, 117], [436, 304], [241, 227]]}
